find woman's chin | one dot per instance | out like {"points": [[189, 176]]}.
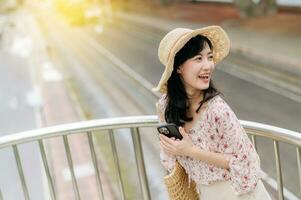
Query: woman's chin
{"points": [[200, 86], [203, 87]]}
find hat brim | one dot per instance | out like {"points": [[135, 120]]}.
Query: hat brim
{"points": [[220, 43]]}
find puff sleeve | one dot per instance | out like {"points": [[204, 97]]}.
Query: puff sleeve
{"points": [[167, 160], [244, 164]]}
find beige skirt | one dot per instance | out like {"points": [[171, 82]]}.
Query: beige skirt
{"points": [[222, 190]]}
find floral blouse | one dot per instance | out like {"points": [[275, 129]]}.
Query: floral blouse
{"points": [[217, 130]]}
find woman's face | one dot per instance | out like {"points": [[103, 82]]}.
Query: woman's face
{"points": [[196, 72]]}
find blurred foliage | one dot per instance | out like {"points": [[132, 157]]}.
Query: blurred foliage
{"points": [[250, 8], [166, 2], [76, 11]]}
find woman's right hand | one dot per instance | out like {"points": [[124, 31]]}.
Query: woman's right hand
{"points": [[177, 147]]}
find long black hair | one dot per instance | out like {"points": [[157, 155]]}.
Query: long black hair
{"points": [[177, 99]]}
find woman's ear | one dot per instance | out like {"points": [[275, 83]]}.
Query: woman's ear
{"points": [[179, 70]]}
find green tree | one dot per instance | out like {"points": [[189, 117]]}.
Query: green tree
{"points": [[251, 8], [166, 2]]}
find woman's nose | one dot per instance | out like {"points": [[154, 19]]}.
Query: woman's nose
{"points": [[207, 65]]}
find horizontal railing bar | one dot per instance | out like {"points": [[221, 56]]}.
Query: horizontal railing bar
{"points": [[279, 134], [272, 136], [272, 132], [78, 127]]}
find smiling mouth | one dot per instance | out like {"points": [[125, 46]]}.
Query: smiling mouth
{"points": [[205, 77]]}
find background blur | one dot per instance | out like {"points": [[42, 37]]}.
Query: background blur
{"points": [[70, 60]]}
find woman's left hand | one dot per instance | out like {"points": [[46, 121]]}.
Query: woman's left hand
{"points": [[177, 147]]}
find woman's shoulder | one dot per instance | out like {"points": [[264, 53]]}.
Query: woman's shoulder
{"points": [[216, 100], [218, 105]]}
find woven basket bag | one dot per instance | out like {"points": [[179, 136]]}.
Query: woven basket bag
{"points": [[177, 185]]}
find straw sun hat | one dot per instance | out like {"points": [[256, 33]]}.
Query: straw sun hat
{"points": [[174, 40]]}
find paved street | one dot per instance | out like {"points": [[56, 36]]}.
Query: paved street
{"points": [[19, 105]]}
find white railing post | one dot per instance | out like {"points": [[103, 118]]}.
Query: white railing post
{"points": [[21, 173], [94, 161], [47, 171], [71, 167], [299, 166], [140, 164], [278, 170], [116, 164]]}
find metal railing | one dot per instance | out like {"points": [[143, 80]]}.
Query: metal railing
{"points": [[134, 124]]}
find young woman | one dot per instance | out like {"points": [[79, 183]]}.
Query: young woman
{"points": [[215, 150]]}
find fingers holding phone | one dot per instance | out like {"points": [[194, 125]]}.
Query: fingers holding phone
{"points": [[174, 140]]}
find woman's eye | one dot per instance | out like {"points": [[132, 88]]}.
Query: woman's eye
{"points": [[198, 58], [210, 57]]}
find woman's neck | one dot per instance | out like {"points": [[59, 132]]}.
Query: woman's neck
{"points": [[194, 99]]}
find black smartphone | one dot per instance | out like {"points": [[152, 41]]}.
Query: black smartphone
{"points": [[170, 130]]}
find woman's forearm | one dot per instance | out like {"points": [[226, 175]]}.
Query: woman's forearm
{"points": [[217, 159]]}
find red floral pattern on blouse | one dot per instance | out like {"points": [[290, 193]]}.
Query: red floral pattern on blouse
{"points": [[218, 130]]}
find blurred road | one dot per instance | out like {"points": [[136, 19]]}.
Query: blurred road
{"points": [[103, 91], [19, 103]]}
